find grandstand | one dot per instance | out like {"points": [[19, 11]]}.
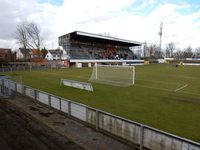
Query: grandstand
{"points": [[85, 49]]}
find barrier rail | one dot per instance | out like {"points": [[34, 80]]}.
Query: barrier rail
{"points": [[132, 132]]}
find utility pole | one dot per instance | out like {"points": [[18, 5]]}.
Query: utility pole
{"points": [[160, 34]]}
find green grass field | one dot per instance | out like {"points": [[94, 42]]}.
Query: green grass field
{"points": [[157, 99]]}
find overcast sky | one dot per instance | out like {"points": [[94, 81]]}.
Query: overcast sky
{"points": [[137, 20]]}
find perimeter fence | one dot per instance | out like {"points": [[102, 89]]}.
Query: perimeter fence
{"points": [[136, 134]]}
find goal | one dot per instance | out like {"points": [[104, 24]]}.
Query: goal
{"points": [[113, 75]]}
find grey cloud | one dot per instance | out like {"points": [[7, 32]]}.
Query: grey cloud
{"points": [[99, 18], [12, 12]]}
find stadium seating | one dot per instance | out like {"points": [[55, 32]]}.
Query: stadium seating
{"points": [[88, 52], [78, 53]]}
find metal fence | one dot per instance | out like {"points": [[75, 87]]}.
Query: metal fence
{"points": [[26, 68], [134, 133]]}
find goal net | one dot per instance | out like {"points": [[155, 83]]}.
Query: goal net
{"points": [[113, 75]]}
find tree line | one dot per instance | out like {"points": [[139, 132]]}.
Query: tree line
{"points": [[171, 51]]}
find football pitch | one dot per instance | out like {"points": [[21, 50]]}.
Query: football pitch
{"points": [[164, 96]]}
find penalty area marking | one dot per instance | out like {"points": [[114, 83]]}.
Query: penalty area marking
{"points": [[181, 88]]}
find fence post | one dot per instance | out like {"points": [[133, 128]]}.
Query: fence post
{"points": [[97, 119], [49, 98], [60, 103], [35, 94], [23, 90], [69, 108], [15, 87], [141, 136], [1, 89], [4, 87], [9, 88]]}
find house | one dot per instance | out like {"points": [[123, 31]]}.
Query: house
{"points": [[35, 53], [24, 54], [57, 54], [36, 56], [6, 55], [54, 54]]}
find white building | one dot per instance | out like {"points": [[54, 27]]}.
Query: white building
{"points": [[57, 54], [23, 54]]}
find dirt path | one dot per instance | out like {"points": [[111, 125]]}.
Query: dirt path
{"points": [[37, 138]]}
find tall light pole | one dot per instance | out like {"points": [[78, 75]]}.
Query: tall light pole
{"points": [[160, 34]]}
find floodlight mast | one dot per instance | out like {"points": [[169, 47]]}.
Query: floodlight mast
{"points": [[160, 34]]}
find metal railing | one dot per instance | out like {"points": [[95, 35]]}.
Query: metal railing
{"points": [[134, 133], [26, 68]]}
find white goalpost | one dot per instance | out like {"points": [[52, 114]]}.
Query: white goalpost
{"points": [[113, 75]]}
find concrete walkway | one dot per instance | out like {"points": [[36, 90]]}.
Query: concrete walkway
{"points": [[80, 134]]}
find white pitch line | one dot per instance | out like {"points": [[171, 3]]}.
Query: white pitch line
{"points": [[162, 89], [180, 88]]}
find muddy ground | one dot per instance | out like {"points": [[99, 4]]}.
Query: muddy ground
{"points": [[27, 124], [19, 131]]}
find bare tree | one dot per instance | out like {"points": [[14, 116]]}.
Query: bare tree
{"points": [[167, 52], [188, 52], [21, 35], [153, 50], [197, 51], [145, 49], [28, 35], [44, 52], [170, 49], [179, 54]]}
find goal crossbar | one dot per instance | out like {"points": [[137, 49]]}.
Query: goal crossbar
{"points": [[113, 75]]}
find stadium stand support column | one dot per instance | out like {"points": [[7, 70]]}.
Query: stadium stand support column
{"points": [[133, 75], [96, 76], [89, 65]]}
